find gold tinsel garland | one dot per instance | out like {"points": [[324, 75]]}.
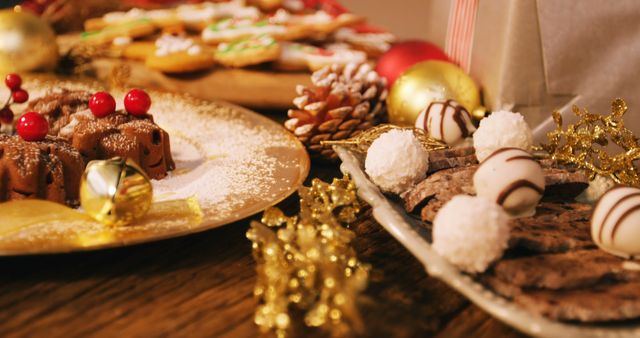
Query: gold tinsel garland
{"points": [[582, 144], [306, 262], [363, 141]]}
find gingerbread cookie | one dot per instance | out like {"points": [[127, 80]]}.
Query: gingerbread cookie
{"points": [[317, 23], [372, 42], [177, 54], [131, 29], [335, 54], [199, 16], [233, 29], [295, 56], [248, 51], [159, 17]]}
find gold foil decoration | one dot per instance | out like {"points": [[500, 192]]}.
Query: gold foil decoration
{"points": [[582, 144], [115, 191], [363, 141], [427, 82], [306, 262]]}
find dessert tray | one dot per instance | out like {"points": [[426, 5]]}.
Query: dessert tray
{"points": [[230, 164], [417, 239]]}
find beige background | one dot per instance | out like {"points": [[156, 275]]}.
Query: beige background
{"points": [[406, 18]]}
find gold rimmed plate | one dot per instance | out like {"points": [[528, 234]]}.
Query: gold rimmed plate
{"points": [[230, 162]]}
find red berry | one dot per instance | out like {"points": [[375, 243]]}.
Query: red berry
{"points": [[32, 127], [102, 104], [6, 115], [137, 102], [13, 81], [20, 96]]}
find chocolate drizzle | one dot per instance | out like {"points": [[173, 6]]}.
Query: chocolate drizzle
{"points": [[458, 118], [515, 185], [502, 150], [610, 211], [622, 218]]}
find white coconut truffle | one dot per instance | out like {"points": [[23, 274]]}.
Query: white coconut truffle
{"points": [[446, 121], [511, 178], [615, 222], [396, 161], [597, 187], [501, 129], [471, 232]]}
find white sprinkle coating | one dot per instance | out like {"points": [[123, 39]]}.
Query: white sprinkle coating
{"points": [[501, 129], [471, 232], [396, 160]]}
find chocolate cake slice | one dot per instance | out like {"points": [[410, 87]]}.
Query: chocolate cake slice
{"points": [[118, 134]]}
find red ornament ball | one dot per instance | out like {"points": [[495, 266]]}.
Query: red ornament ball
{"points": [[20, 96], [13, 81], [137, 102], [102, 104], [6, 115], [405, 54], [32, 127]]}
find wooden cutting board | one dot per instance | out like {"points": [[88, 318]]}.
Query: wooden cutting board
{"points": [[258, 89]]}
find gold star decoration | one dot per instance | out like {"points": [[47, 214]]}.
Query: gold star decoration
{"points": [[306, 262]]}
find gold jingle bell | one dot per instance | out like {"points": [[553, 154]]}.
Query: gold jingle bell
{"points": [[115, 191], [27, 43], [427, 82]]}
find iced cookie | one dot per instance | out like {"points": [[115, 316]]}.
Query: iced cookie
{"points": [[159, 17], [233, 29], [339, 54], [199, 16], [248, 51], [319, 22], [135, 50], [372, 41], [177, 54], [295, 56], [131, 29]]}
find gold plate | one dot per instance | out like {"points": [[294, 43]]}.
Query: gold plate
{"points": [[234, 162]]}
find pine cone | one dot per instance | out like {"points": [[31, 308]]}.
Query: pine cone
{"points": [[341, 103]]}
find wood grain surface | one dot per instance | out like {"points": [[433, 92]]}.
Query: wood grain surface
{"points": [[201, 286]]}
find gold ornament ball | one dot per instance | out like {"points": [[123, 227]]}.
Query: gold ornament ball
{"points": [[27, 43], [115, 191], [427, 82]]}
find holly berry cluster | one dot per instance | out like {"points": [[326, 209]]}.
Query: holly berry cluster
{"points": [[137, 103], [18, 95]]}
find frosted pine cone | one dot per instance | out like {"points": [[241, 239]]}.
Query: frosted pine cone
{"points": [[342, 102]]}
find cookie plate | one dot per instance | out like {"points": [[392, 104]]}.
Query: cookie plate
{"points": [[234, 162], [417, 240]]}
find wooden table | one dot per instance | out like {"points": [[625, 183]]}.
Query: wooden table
{"points": [[201, 286]]}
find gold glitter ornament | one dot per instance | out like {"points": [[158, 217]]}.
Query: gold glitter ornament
{"points": [[27, 43], [581, 144], [308, 263], [427, 82], [115, 191]]}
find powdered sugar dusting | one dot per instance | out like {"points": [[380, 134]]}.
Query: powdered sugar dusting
{"points": [[233, 162]]}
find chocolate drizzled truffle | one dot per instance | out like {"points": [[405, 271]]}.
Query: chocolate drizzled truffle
{"points": [[511, 178], [446, 121], [615, 222]]}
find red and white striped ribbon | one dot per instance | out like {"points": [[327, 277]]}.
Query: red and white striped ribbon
{"points": [[459, 43]]}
